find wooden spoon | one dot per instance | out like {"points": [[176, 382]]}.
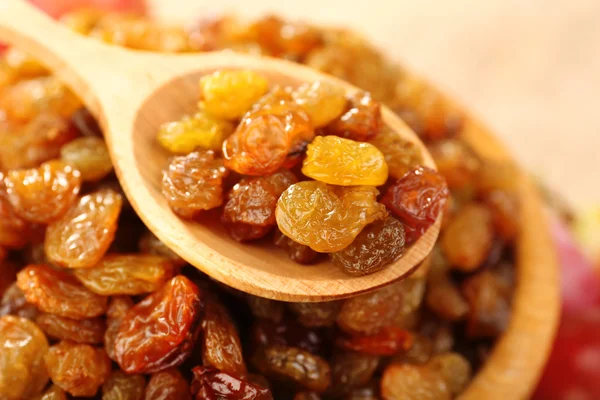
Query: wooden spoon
{"points": [[132, 93]]}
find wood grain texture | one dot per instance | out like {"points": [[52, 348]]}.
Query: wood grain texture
{"points": [[149, 89]]}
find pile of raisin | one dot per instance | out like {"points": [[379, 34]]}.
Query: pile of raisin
{"points": [[93, 305]]}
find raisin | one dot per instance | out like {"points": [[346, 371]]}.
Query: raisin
{"points": [[150, 244], [222, 348], [57, 292], [265, 137], [244, 232], [307, 369], [8, 274], [14, 230], [368, 313], [326, 218], [23, 64], [89, 155], [299, 253], [292, 40], [229, 94], [505, 210], [468, 238], [191, 132], [210, 383], [413, 382], [85, 123], [168, 385], [22, 350], [130, 274], [400, 155], [323, 101], [45, 193], [307, 396], [78, 369], [90, 331], [316, 314], [194, 182], [445, 299], [361, 121], [369, 391], [290, 332], [457, 163], [80, 238], [265, 308], [14, 302], [121, 386], [159, 332], [252, 201], [117, 309], [350, 370], [376, 246], [454, 369], [388, 341], [497, 175], [344, 162], [417, 199], [53, 393]]}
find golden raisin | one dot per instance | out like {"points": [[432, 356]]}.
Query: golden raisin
{"points": [[89, 156], [400, 154], [413, 382], [122, 386], [89, 331], [455, 161], [361, 121], [168, 385], [323, 101], [200, 130]]}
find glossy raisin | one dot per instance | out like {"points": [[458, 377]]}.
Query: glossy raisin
{"points": [[57, 292], [387, 342], [159, 332], [344, 162], [194, 183], [122, 386], [323, 101], [326, 218], [210, 383], [291, 40], [90, 331], [129, 274], [377, 245], [200, 130], [417, 199], [454, 369], [22, 350], [14, 230], [54, 392], [413, 382], [361, 121], [168, 385], [316, 314], [89, 155], [78, 369], [299, 253], [400, 154], [80, 238]]}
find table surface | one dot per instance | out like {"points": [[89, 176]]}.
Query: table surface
{"points": [[529, 69]]}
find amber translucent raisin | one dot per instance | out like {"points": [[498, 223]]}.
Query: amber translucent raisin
{"points": [[413, 382], [445, 299], [377, 245], [22, 350], [150, 244], [80, 238], [292, 40], [323, 101], [229, 94], [200, 130], [316, 314], [417, 199], [326, 218], [344, 162], [468, 238], [350, 370], [59, 293], [455, 161], [43, 194], [89, 156], [159, 332], [168, 385], [117, 309], [400, 154], [454, 369], [388, 341], [122, 386], [361, 121], [54, 392], [130, 274], [308, 370], [300, 253], [210, 383], [194, 182], [222, 347], [89, 331], [505, 210], [14, 302], [14, 230], [79, 369]]}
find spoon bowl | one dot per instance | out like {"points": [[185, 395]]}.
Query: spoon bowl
{"points": [[132, 93]]}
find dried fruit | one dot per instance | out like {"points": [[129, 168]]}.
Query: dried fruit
{"points": [[229, 94], [200, 130], [289, 332], [454, 369], [53, 393], [316, 314], [387, 342], [14, 302], [22, 350], [90, 331], [43, 194], [300, 253], [159, 332], [57, 292], [505, 210], [307, 396], [361, 121], [89, 155], [350, 370], [121, 386], [14, 230], [308, 370], [265, 308], [79, 369], [326, 218], [468, 238], [130, 274], [222, 347], [168, 385], [413, 382], [150, 244], [377, 245], [117, 309], [194, 183], [457, 163], [80, 238], [323, 101], [292, 40], [210, 383], [417, 199], [445, 299], [400, 155], [344, 162]]}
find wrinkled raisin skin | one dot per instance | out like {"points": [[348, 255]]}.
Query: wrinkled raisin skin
{"points": [[361, 121], [210, 383], [168, 385], [121, 386], [90, 331], [387, 342]]}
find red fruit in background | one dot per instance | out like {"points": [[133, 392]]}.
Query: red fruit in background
{"points": [[56, 8]]}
